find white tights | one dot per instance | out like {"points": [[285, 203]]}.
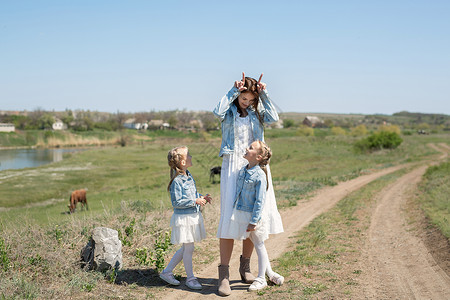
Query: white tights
{"points": [[263, 258], [185, 254]]}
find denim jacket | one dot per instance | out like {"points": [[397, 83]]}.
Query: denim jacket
{"points": [[227, 112], [251, 192], [183, 194]]}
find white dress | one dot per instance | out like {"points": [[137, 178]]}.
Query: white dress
{"points": [[231, 165]]}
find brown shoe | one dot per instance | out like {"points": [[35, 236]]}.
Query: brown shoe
{"points": [[244, 270], [224, 281]]}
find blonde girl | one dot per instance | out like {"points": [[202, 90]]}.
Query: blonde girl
{"points": [[248, 219], [187, 221]]}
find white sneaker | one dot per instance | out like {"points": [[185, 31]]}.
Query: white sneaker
{"points": [[258, 284], [169, 278], [277, 279], [193, 284]]}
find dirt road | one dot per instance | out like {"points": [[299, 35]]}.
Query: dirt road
{"points": [[419, 277], [397, 263]]}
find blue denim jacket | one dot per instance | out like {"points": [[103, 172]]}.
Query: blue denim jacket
{"points": [[227, 112], [251, 192], [183, 194]]}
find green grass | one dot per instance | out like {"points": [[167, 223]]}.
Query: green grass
{"points": [[139, 174], [435, 196]]}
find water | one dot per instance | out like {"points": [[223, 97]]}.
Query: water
{"points": [[28, 158]]}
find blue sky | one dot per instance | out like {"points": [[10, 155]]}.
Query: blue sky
{"points": [[317, 56]]}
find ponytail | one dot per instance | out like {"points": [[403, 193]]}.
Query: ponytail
{"points": [[266, 154], [174, 158]]}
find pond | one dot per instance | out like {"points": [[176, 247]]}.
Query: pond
{"points": [[28, 158]]}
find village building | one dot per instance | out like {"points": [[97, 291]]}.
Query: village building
{"points": [[59, 125], [132, 124], [277, 125], [7, 127], [158, 124], [312, 121]]}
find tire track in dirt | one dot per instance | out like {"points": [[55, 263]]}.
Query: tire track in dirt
{"points": [[396, 264], [294, 219]]}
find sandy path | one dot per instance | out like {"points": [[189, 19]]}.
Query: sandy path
{"points": [[294, 219], [395, 263]]}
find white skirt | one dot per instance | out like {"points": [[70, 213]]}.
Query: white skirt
{"points": [[187, 228], [228, 177], [238, 226]]}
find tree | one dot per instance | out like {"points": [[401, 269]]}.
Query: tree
{"points": [[287, 123], [172, 121], [46, 121], [210, 122]]}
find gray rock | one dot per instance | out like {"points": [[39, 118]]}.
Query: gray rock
{"points": [[103, 252]]}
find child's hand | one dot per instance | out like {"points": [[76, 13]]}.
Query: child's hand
{"points": [[208, 198], [200, 201], [261, 86], [240, 84], [251, 227]]}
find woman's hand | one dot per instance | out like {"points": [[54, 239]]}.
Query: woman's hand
{"points": [[261, 86], [240, 84], [251, 227]]}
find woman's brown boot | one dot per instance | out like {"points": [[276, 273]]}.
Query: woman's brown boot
{"points": [[224, 281], [244, 270]]}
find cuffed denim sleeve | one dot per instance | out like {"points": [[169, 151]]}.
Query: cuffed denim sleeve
{"points": [[269, 111], [258, 206], [179, 198], [224, 104]]}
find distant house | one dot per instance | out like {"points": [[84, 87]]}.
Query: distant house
{"points": [[312, 121], [132, 124], [59, 125], [158, 124], [278, 124], [7, 127], [193, 126]]}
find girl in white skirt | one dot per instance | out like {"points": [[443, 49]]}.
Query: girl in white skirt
{"points": [[243, 112], [187, 221], [247, 219]]}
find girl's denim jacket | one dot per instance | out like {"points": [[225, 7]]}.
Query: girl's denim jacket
{"points": [[183, 194], [227, 112], [251, 192]]}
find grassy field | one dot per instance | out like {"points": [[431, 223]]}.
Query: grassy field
{"points": [[435, 196], [139, 173], [127, 189]]}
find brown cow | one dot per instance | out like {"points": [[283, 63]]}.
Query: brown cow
{"points": [[75, 197]]}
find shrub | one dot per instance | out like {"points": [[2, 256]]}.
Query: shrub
{"points": [[378, 141], [338, 131], [288, 123], [359, 130], [390, 128], [305, 131]]}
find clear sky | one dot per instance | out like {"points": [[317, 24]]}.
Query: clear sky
{"points": [[317, 56]]}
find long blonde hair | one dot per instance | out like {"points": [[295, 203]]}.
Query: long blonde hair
{"points": [[174, 158], [266, 154]]}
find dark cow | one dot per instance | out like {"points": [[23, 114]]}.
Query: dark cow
{"points": [[75, 197], [213, 171]]}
